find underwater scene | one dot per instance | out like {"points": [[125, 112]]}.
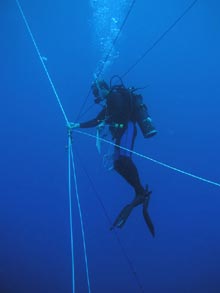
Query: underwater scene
{"points": [[110, 139]]}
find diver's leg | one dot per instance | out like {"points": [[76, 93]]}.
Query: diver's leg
{"points": [[123, 163], [127, 169]]}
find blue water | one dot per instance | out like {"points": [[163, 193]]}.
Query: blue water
{"points": [[182, 78]]}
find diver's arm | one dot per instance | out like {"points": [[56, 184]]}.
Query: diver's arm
{"points": [[89, 124], [93, 122]]}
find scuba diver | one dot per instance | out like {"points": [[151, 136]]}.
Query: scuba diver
{"points": [[122, 109]]}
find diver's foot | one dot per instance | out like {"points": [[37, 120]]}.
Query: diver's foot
{"points": [[140, 198]]}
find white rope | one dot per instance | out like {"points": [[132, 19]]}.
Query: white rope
{"points": [[70, 156], [152, 160], [70, 211], [81, 221], [42, 61]]}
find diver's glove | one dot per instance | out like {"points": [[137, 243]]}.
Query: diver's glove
{"points": [[73, 125], [126, 211]]}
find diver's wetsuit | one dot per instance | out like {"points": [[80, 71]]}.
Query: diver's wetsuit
{"points": [[125, 138]]}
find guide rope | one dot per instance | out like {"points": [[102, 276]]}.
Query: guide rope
{"points": [[152, 160], [161, 37], [70, 156]]}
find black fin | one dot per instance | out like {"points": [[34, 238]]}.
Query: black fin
{"points": [[147, 217], [126, 211], [122, 217]]}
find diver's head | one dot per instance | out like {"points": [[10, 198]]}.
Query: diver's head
{"points": [[100, 90]]}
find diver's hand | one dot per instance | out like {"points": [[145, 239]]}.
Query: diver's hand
{"points": [[73, 125]]}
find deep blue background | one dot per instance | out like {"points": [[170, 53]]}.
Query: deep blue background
{"points": [[183, 97]]}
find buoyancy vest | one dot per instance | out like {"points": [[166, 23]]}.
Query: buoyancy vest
{"points": [[120, 106], [124, 105]]}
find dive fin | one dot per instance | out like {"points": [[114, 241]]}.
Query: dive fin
{"points": [[126, 211], [122, 217], [147, 217]]}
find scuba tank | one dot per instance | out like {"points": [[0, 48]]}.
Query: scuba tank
{"points": [[142, 117], [138, 110], [130, 104]]}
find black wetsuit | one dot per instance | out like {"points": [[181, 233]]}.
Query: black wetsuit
{"points": [[118, 115]]}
